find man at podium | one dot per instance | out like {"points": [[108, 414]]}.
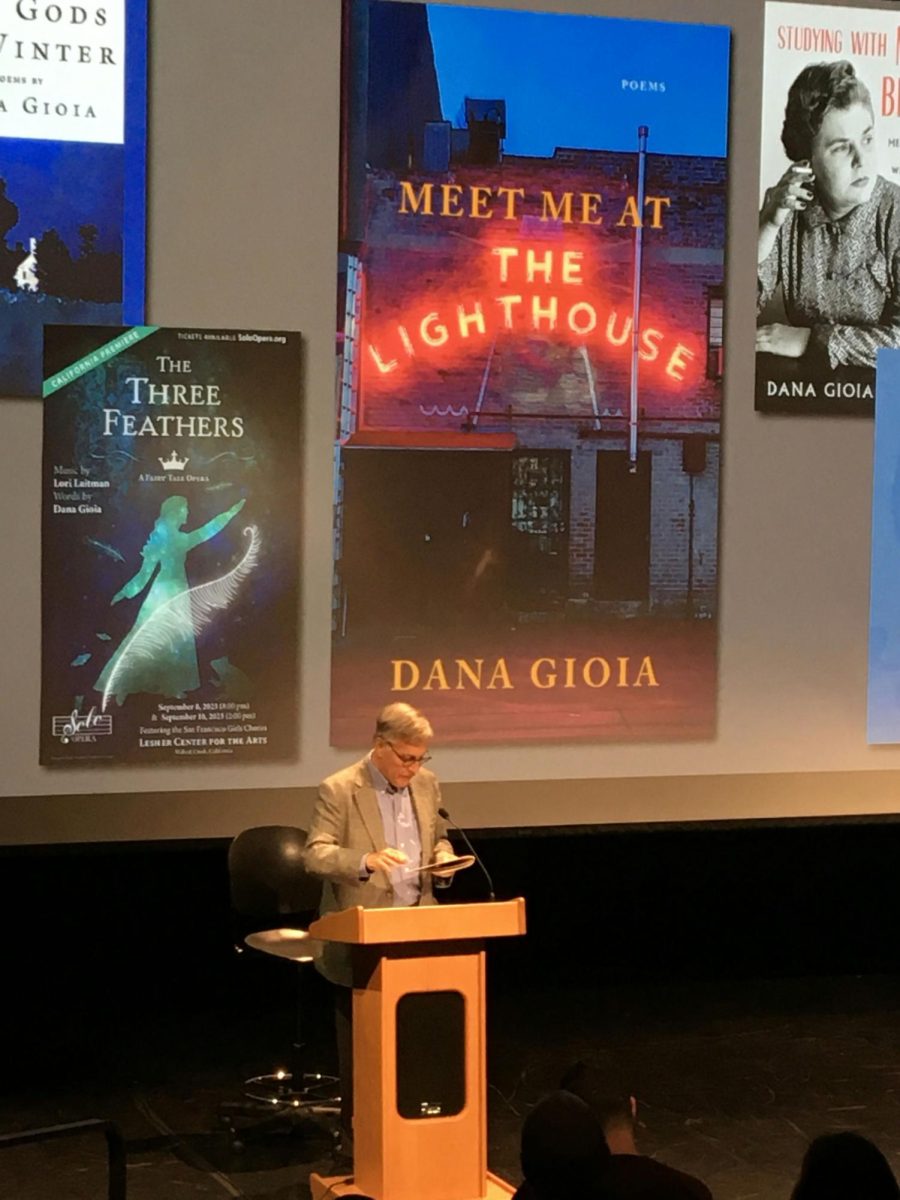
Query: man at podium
{"points": [[374, 827]]}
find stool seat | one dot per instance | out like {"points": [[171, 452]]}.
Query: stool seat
{"points": [[295, 944]]}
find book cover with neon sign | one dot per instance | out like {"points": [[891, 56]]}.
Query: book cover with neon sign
{"points": [[530, 357], [169, 545]]}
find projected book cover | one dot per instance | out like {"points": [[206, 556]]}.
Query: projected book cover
{"points": [[828, 286], [169, 545], [72, 173], [884, 598], [530, 336]]}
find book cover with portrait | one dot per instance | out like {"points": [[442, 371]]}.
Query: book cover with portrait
{"points": [[530, 355], [828, 255], [73, 121], [169, 545]]}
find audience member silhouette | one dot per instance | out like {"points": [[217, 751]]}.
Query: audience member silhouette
{"points": [[563, 1153], [628, 1175], [579, 1143], [845, 1166]]}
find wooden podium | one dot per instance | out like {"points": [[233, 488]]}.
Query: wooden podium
{"points": [[419, 1055]]}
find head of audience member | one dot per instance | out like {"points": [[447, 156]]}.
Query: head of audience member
{"points": [[611, 1102], [838, 1166], [563, 1151], [400, 743]]}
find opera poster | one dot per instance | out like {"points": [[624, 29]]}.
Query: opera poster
{"points": [[530, 345], [828, 284], [171, 509], [73, 118], [884, 599]]}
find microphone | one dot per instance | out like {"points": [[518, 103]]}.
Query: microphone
{"points": [[442, 812]]}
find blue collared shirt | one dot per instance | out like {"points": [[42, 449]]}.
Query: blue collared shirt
{"points": [[401, 830]]}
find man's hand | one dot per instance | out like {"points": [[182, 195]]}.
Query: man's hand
{"points": [[790, 341], [444, 856], [385, 860]]}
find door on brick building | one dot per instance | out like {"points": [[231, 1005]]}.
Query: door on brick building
{"points": [[622, 528], [539, 536], [423, 532]]}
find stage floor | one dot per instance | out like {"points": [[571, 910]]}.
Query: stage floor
{"points": [[732, 1081]]}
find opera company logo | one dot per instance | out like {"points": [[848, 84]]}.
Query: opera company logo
{"points": [[82, 727]]}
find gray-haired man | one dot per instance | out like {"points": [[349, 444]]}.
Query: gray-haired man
{"points": [[374, 824]]}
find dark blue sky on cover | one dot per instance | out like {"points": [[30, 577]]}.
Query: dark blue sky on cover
{"points": [[62, 185], [562, 78]]}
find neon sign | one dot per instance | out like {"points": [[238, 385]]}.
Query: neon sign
{"points": [[536, 295]]}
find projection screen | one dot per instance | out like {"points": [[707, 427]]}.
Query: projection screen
{"points": [[245, 154]]}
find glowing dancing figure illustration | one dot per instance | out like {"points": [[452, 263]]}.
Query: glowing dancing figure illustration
{"points": [[159, 654]]}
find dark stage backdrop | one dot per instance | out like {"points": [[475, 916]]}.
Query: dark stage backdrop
{"points": [[244, 136]]}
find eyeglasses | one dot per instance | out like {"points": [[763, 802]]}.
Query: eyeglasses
{"points": [[408, 760]]}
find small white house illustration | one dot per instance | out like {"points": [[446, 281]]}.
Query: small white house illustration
{"points": [[26, 272]]}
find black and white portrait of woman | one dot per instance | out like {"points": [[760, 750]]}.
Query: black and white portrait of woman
{"points": [[828, 282]]}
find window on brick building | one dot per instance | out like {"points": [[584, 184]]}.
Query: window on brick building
{"points": [[715, 326], [540, 537], [539, 487]]}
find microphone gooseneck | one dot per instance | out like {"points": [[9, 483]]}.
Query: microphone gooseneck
{"points": [[442, 812]]}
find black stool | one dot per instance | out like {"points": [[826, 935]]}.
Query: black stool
{"points": [[268, 884]]}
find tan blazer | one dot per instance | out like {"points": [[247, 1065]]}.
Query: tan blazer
{"points": [[346, 824]]}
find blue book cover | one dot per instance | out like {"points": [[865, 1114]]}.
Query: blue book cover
{"points": [[884, 602], [73, 120]]}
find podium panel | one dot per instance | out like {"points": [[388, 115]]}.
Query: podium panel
{"points": [[433, 1155], [431, 1071]]}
